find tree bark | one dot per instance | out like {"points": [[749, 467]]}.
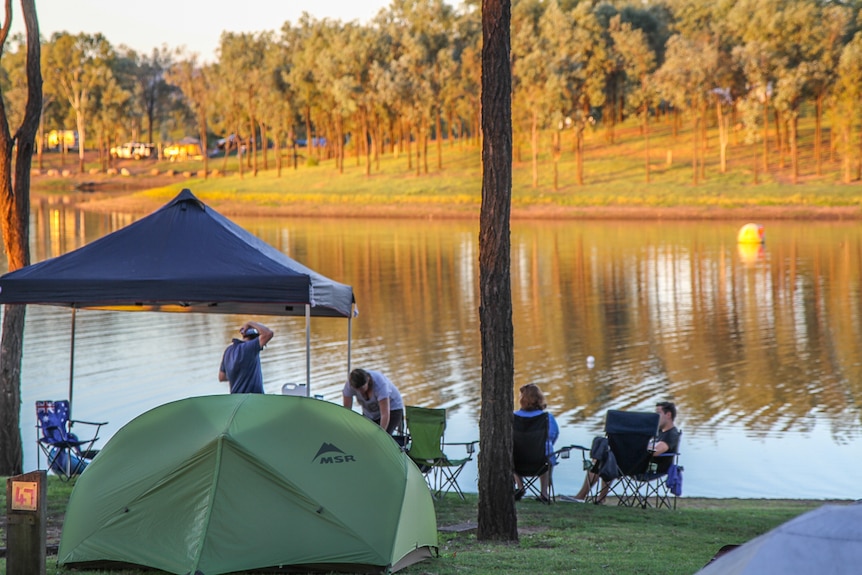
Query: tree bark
{"points": [[818, 134], [646, 142], [794, 148], [15, 213], [534, 146], [497, 518]]}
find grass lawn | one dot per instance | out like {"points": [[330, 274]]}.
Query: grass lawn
{"points": [[565, 537]]}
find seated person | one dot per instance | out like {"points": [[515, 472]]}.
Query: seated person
{"points": [[666, 441], [532, 402]]}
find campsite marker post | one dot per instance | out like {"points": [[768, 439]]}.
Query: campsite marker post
{"points": [[26, 513]]}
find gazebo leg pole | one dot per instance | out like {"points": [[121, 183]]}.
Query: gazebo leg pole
{"points": [[307, 350], [349, 338], [72, 365]]}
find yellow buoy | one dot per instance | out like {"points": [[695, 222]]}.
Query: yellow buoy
{"points": [[751, 234]]}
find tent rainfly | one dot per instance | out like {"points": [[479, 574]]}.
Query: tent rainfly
{"points": [[228, 483], [827, 540]]}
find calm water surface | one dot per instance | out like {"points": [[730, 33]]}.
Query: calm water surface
{"points": [[758, 347]]}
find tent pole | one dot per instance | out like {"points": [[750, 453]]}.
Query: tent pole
{"points": [[307, 350], [349, 337], [72, 364]]}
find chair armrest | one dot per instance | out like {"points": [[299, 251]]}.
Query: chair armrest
{"points": [[469, 446], [73, 421], [564, 452]]}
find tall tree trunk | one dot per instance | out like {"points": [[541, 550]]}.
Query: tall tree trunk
{"points": [[82, 128], [555, 153], [794, 149], [722, 136], [534, 146], [646, 142], [497, 519], [202, 134], [425, 134], [251, 158], [579, 155], [766, 135], [780, 128], [439, 130], [277, 150], [694, 147], [264, 144], [308, 138], [419, 148], [704, 107], [365, 136], [818, 134], [239, 152], [15, 214], [408, 137]]}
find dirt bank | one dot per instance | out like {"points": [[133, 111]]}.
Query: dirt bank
{"points": [[137, 204]]}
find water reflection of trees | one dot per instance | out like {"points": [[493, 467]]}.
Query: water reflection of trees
{"points": [[765, 339]]}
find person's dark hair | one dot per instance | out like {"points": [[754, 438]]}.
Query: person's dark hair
{"points": [[532, 398], [667, 407], [359, 377]]}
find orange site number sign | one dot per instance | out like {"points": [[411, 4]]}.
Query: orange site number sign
{"points": [[25, 495]]}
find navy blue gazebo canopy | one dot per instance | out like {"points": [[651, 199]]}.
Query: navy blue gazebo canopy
{"points": [[183, 257]]}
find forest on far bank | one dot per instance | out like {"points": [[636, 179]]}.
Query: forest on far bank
{"points": [[731, 76]]}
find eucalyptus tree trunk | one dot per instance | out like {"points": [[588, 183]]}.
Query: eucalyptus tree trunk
{"points": [[15, 214], [497, 519], [766, 134], [818, 134], [646, 141], [202, 127], [534, 146], [695, 136], [794, 147], [439, 130]]}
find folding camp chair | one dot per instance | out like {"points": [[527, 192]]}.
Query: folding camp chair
{"points": [[529, 458], [425, 445], [66, 455], [661, 484], [642, 480]]}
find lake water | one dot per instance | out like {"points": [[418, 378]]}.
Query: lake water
{"points": [[758, 347]]}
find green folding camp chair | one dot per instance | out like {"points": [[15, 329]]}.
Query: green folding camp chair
{"points": [[425, 447]]}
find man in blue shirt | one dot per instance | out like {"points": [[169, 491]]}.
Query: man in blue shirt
{"points": [[240, 364]]}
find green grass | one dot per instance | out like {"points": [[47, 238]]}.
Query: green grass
{"points": [[565, 537]]}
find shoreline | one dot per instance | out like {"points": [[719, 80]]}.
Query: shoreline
{"points": [[129, 201]]}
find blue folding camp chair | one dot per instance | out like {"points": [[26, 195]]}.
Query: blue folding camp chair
{"points": [[67, 456]]}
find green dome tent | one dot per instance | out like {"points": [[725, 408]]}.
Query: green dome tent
{"points": [[229, 483]]}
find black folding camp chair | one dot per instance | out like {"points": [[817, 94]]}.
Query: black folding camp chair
{"points": [[529, 457], [661, 484], [66, 454], [642, 480], [425, 445]]}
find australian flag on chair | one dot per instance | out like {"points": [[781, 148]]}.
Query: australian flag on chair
{"points": [[67, 455]]}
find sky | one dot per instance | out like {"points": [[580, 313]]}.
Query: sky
{"points": [[194, 24]]}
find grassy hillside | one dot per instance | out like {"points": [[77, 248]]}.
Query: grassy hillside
{"points": [[614, 182]]}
